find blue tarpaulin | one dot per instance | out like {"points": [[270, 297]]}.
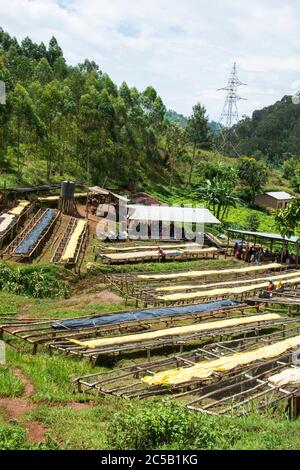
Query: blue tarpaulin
{"points": [[144, 315], [36, 232]]}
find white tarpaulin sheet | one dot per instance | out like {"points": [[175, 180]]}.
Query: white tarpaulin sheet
{"points": [[171, 214]]}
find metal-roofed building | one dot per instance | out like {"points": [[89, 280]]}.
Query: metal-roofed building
{"points": [[274, 199], [171, 214]]}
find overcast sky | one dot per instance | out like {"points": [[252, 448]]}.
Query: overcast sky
{"points": [[184, 48]]}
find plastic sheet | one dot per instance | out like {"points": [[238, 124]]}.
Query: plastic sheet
{"points": [[181, 330], [204, 370], [5, 221], [289, 376], [35, 233], [140, 315], [70, 250]]}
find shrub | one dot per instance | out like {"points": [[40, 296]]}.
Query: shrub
{"points": [[169, 425], [36, 281]]}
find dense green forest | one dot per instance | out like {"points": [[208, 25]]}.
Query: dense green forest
{"points": [[272, 132], [61, 120]]}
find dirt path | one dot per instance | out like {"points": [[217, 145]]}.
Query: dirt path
{"points": [[28, 387], [104, 296], [15, 409]]}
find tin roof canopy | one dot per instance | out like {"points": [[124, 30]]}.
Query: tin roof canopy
{"points": [[268, 236]]}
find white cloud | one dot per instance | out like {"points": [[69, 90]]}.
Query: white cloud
{"points": [[184, 49]]}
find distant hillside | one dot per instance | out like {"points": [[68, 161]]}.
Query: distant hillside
{"points": [[214, 127], [182, 121], [177, 118], [274, 131]]}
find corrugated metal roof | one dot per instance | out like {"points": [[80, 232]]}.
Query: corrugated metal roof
{"points": [[106, 192], [270, 236], [280, 195], [98, 190], [171, 214]]}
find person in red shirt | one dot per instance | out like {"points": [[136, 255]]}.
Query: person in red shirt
{"points": [[271, 287]]}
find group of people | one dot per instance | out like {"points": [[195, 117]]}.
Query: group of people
{"points": [[250, 254], [256, 255]]}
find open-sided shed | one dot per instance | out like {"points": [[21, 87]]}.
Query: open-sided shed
{"points": [[271, 239]]}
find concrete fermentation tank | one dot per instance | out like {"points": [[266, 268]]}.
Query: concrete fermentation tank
{"points": [[67, 190], [67, 202]]}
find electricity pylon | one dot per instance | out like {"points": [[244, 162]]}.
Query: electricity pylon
{"points": [[230, 114]]}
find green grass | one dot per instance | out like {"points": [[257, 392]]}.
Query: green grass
{"points": [[260, 432], [72, 310], [51, 376], [239, 215], [74, 429], [165, 267], [10, 303], [12, 437], [10, 385], [32, 173]]}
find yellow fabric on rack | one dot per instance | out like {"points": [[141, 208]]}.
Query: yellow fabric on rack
{"points": [[289, 376], [57, 197], [228, 283], [212, 272], [205, 369], [176, 331], [20, 208], [153, 254], [70, 250], [219, 292], [153, 247]]}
